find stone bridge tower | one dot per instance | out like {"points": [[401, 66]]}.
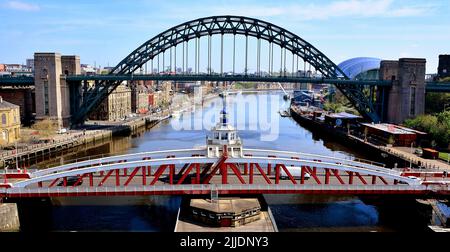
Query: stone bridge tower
{"points": [[406, 97], [52, 91]]}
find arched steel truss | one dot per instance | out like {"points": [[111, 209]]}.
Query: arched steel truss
{"points": [[236, 25]]}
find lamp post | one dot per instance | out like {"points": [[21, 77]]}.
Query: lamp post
{"points": [[410, 160], [17, 157]]}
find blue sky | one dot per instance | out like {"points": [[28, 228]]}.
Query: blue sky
{"points": [[104, 32]]}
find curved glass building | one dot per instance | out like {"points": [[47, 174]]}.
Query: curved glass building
{"points": [[362, 68]]}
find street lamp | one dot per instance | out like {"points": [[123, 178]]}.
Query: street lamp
{"points": [[17, 157]]}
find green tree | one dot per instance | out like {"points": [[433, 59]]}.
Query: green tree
{"points": [[437, 125]]}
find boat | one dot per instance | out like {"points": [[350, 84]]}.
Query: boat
{"points": [[284, 113]]}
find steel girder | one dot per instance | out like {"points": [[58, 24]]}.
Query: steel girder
{"points": [[236, 25]]}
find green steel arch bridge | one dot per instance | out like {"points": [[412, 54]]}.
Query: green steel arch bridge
{"points": [[181, 37]]}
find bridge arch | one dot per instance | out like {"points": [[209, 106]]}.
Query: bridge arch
{"points": [[236, 25]]}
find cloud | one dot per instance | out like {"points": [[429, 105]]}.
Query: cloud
{"points": [[22, 6], [322, 11]]}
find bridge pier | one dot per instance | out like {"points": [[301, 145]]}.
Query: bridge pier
{"points": [[53, 98], [406, 98]]}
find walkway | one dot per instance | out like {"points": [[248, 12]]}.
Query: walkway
{"points": [[405, 153]]}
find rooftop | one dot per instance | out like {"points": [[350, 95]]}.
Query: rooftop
{"points": [[343, 115], [226, 205], [7, 105], [392, 128]]}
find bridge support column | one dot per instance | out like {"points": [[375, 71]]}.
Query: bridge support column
{"points": [[53, 98], [406, 97]]}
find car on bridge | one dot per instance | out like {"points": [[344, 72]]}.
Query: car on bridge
{"points": [[71, 181], [296, 172], [410, 177]]}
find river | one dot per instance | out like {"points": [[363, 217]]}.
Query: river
{"points": [[260, 126]]}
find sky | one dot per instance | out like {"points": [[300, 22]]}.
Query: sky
{"points": [[103, 32]]}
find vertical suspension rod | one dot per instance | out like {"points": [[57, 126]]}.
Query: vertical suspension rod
{"points": [[246, 54], [234, 53], [221, 55], [258, 56]]}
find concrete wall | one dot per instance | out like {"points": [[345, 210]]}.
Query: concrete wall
{"points": [[406, 97], [9, 217]]}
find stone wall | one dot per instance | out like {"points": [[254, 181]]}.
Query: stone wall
{"points": [[9, 217]]}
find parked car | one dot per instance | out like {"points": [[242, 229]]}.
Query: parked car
{"points": [[419, 152], [62, 131]]}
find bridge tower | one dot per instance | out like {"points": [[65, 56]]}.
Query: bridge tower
{"points": [[52, 90], [406, 97]]}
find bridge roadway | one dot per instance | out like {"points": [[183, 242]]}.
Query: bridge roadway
{"points": [[233, 174], [441, 87]]}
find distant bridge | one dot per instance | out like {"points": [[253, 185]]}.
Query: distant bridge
{"points": [[189, 171]]}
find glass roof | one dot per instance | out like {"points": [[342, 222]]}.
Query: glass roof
{"points": [[354, 67]]}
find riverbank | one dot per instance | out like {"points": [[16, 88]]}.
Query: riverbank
{"points": [[91, 132], [388, 155]]}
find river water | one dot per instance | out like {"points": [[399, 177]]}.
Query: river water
{"points": [[260, 126]]}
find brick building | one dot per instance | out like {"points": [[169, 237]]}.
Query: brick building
{"points": [[116, 107], [139, 98], [9, 122]]}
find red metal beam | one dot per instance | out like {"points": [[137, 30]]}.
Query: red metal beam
{"points": [[135, 171], [224, 173], [336, 173], [171, 173], [80, 179], [91, 179], [302, 178], [277, 174], [313, 174], [327, 176], [384, 181], [148, 167], [53, 183], [262, 172], [144, 176], [236, 171], [214, 170], [185, 166], [158, 173], [374, 179], [350, 178], [250, 177], [188, 170], [117, 177], [361, 178], [197, 174], [288, 173], [105, 177]]}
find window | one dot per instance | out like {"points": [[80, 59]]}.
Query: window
{"points": [[46, 108], [224, 136], [3, 119], [412, 107]]}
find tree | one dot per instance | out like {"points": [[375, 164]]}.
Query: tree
{"points": [[437, 125]]}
